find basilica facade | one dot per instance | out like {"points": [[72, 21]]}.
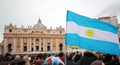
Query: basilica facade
{"points": [[33, 39]]}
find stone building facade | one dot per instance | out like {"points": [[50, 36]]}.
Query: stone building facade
{"points": [[33, 39], [112, 20]]}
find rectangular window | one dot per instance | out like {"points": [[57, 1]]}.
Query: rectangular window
{"points": [[60, 32], [25, 43], [48, 48], [31, 49], [41, 43], [32, 40], [41, 49], [25, 48], [37, 48], [41, 39]]}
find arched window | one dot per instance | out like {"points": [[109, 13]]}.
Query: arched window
{"points": [[9, 47], [61, 47], [48, 46], [25, 48], [37, 48], [42, 49], [10, 30], [32, 49]]}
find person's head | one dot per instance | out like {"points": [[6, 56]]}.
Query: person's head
{"points": [[17, 57], [69, 56], [40, 58], [27, 58], [89, 54], [108, 57], [97, 62], [77, 52], [61, 54], [114, 57]]}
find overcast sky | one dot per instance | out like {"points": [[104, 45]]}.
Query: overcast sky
{"points": [[51, 12]]}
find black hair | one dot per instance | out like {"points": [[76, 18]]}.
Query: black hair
{"points": [[40, 56], [61, 54]]}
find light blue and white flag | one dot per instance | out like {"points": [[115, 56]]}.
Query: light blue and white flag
{"points": [[91, 34]]}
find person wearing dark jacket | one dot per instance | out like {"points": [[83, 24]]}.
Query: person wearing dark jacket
{"points": [[107, 59], [87, 58], [76, 56], [69, 60], [17, 61], [114, 60]]}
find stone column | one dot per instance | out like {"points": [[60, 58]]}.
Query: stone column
{"points": [[14, 45], [21, 47], [45, 42], [39, 44], [30, 44], [51, 45], [5, 45], [34, 45], [57, 45], [63, 44]]}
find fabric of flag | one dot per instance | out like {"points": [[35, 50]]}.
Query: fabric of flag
{"points": [[91, 34]]}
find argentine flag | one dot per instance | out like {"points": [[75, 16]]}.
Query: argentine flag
{"points": [[91, 34]]}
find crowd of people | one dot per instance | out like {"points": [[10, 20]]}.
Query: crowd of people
{"points": [[70, 58]]}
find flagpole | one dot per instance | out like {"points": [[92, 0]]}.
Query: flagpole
{"points": [[65, 53], [65, 41]]}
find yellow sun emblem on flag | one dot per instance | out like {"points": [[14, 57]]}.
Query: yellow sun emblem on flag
{"points": [[90, 33]]}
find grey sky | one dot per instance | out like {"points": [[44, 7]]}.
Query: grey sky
{"points": [[51, 12]]}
